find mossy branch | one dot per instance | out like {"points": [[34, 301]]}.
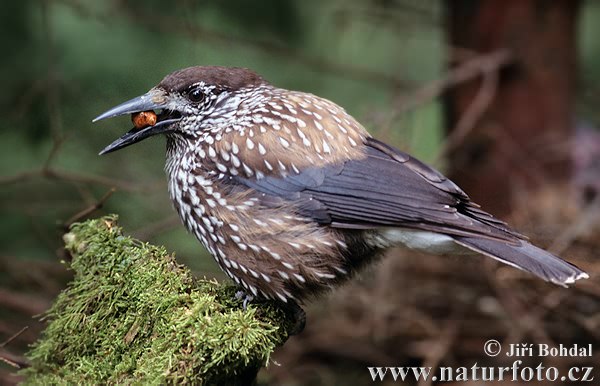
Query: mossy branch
{"points": [[132, 314]]}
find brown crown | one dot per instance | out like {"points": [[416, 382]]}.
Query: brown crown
{"points": [[225, 77]]}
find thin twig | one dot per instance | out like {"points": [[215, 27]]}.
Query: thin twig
{"points": [[485, 65], [14, 361], [90, 209], [466, 71], [56, 145], [468, 121], [14, 336], [63, 175]]}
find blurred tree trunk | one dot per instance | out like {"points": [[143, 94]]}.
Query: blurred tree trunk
{"points": [[521, 119]]}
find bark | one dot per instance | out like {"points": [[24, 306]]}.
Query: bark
{"points": [[518, 140]]}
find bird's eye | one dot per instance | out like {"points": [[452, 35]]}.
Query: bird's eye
{"points": [[196, 95]]}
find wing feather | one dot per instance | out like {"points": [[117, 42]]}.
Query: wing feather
{"points": [[386, 188]]}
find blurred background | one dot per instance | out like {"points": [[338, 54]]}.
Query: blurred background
{"points": [[501, 95]]}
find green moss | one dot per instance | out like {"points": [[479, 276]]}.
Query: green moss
{"points": [[133, 315]]}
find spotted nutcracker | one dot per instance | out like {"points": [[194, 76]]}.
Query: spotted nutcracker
{"points": [[292, 196]]}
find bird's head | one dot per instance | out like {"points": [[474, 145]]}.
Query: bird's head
{"points": [[188, 102]]}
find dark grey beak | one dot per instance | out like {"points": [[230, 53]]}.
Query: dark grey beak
{"points": [[152, 100]]}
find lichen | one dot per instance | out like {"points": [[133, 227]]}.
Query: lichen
{"points": [[133, 315]]}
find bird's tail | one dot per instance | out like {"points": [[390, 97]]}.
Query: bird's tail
{"points": [[527, 257]]}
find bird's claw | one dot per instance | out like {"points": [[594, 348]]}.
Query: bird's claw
{"points": [[239, 295]]}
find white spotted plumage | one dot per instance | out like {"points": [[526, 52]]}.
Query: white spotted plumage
{"points": [[250, 133]]}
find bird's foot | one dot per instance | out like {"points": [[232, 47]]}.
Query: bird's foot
{"points": [[239, 295], [291, 308]]}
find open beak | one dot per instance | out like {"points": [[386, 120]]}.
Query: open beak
{"points": [[152, 100]]}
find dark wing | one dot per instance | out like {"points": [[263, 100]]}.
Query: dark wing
{"points": [[386, 188]]}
